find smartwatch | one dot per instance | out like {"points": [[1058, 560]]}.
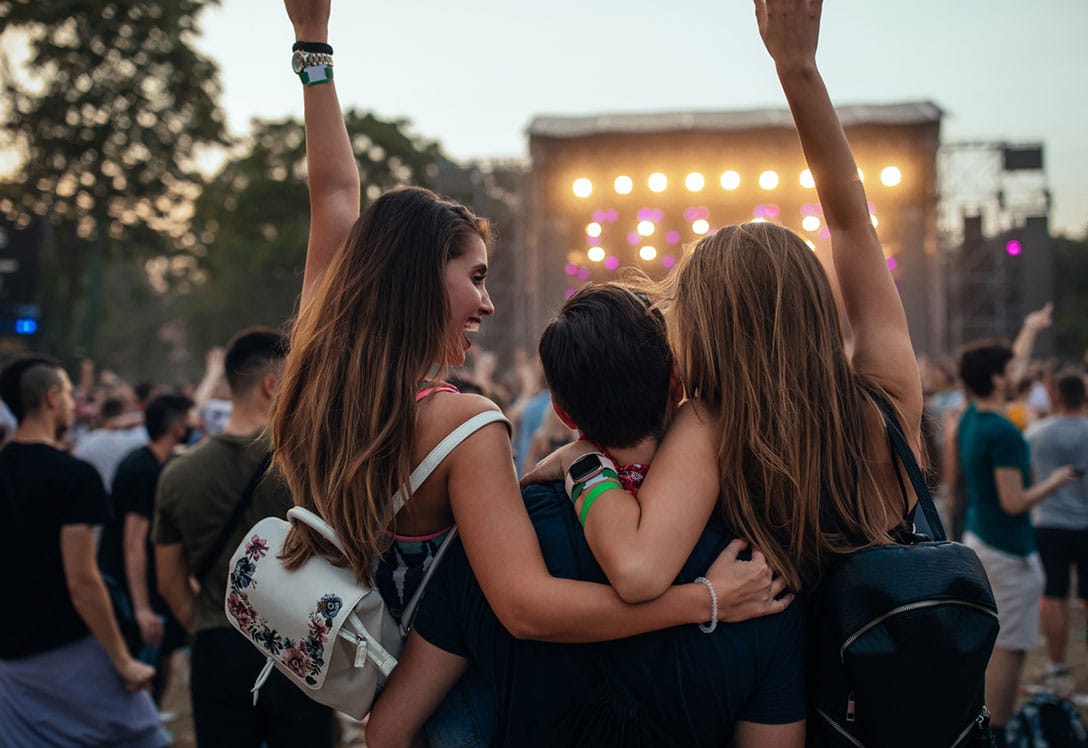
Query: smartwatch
{"points": [[586, 468]]}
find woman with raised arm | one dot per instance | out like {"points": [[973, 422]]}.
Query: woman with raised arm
{"points": [[389, 300]]}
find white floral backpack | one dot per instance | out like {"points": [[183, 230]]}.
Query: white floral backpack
{"points": [[329, 634]]}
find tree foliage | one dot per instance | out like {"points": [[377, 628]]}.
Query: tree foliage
{"points": [[247, 241], [107, 116]]}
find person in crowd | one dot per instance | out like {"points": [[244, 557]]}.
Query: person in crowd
{"points": [[197, 496], [1061, 519], [1019, 411], [66, 676], [212, 395], [121, 432], [390, 299], [609, 368], [551, 435], [996, 467], [126, 554]]}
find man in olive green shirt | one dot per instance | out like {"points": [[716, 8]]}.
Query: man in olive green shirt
{"points": [[196, 497]]}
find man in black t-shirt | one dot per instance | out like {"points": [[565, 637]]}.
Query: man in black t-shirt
{"points": [[66, 677], [127, 555]]}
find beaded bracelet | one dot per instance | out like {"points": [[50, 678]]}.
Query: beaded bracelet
{"points": [[591, 497], [704, 627]]}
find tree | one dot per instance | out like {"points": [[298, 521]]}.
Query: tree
{"points": [[107, 117], [245, 250]]}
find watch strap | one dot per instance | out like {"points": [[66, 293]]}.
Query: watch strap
{"points": [[319, 47]]}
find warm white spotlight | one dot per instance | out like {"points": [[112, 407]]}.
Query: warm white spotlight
{"points": [[730, 180], [593, 229], [583, 187], [595, 254], [700, 226], [861, 175], [624, 185], [768, 180], [806, 180], [645, 228], [694, 182], [811, 244], [810, 223], [658, 182], [890, 176], [647, 253], [875, 222]]}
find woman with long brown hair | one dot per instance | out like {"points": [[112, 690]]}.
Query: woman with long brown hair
{"points": [[389, 301]]}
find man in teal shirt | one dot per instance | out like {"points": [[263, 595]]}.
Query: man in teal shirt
{"points": [[996, 466]]}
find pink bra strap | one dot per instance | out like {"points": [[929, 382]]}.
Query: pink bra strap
{"points": [[440, 388]]}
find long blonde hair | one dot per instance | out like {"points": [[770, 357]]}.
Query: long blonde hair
{"points": [[343, 424], [759, 341]]}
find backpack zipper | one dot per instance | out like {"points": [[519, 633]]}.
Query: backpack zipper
{"points": [[906, 609], [979, 723], [835, 725]]}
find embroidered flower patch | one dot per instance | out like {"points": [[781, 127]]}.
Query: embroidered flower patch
{"points": [[304, 657]]}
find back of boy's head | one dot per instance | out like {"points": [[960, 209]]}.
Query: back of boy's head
{"points": [[1071, 390], [25, 382], [979, 363], [608, 364], [251, 354]]}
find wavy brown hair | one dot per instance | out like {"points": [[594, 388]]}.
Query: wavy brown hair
{"points": [[759, 342], [343, 424]]}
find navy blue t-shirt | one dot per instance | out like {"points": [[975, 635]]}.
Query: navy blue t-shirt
{"points": [[674, 687]]}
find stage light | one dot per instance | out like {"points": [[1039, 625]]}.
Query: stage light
{"points": [[571, 268], [730, 180], [768, 180], [700, 226], [806, 180], [810, 223], [811, 244], [634, 238], [673, 237], [1013, 247], [824, 233], [667, 261], [593, 241], [875, 222], [645, 228], [769, 211], [583, 187], [583, 274], [26, 326], [624, 185], [890, 176], [612, 262], [861, 175], [657, 182], [694, 182], [596, 254], [593, 229], [892, 264], [648, 253]]}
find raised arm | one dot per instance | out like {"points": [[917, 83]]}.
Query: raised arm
{"points": [[882, 347], [1034, 323], [330, 162]]}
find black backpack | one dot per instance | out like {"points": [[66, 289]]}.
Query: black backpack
{"points": [[1047, 721], [900, 636]]}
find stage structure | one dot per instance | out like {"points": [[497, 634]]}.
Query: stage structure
{"points": [[605, 192]]}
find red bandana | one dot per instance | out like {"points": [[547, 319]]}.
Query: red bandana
{"points": [[631, 476]]}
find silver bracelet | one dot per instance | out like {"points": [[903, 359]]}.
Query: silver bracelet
{"points": [[708, 628]]}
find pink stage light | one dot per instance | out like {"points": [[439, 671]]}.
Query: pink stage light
{"points": [[645, 214], [892, 264], [634, 238], [593, 241], [673, 237], [811, 209], [824, 233], [612, 262], [583, 274], [668, 261], [600, 216], [611, 215], [571, 268], [1013, 247]]}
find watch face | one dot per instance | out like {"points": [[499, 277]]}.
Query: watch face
{"points": [[584, 467], [298, 62]]}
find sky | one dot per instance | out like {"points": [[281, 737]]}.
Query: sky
{"points": [[473, 76]]}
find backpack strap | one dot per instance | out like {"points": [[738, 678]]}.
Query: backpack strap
{"points": [[443, 449], [233, 521], [904, 455]]}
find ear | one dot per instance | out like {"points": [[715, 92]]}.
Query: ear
{"points": [[676, 388], [269, 383], [564, 416]]}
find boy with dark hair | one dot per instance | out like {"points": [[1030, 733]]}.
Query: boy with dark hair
{"points": [[995, 462], [196, 499], [126, 554], [606, 358], [66, 676]]}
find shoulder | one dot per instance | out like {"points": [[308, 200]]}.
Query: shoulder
{"points": [[442, 412]]}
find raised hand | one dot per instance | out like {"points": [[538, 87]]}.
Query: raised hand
{"points": [[310, 19], [790, 29]]}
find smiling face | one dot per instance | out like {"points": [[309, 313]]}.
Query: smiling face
{"points": [[468, 300]]}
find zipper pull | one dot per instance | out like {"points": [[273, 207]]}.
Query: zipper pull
{"points": [[850, 707]]}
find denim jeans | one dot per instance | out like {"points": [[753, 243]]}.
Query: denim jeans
{"points": [[466, 718]]}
